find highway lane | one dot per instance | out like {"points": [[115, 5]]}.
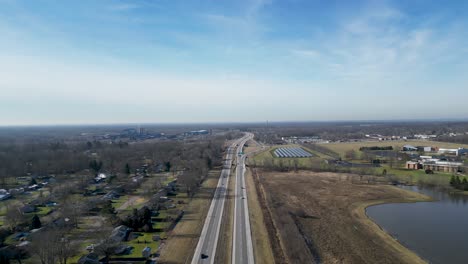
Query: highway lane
{"points": [[206, 248], [242, 249]]}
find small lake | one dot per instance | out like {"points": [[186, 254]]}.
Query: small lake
{"points": [[437, 231]]}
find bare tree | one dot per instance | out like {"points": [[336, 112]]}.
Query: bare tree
{"points": [[296, 165], [351, 154], [43, 245], [189, 180], [107, 247], [65, 249], [72, 209], [13, 215]]}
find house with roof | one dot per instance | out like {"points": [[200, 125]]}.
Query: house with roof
{"points": [[409, 148], [4, 194]]}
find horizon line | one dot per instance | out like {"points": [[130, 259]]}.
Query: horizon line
{"points": [[236, 122]]}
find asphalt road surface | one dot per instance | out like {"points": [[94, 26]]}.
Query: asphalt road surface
{"points": [[242, 250], [206, 247]]}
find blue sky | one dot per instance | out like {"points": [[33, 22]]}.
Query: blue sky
{"points": [[108, 61]]}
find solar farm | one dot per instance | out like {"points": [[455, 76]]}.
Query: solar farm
{"points": [[292, 153]]}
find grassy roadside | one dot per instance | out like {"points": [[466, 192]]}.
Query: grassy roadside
{"points": [[261, 242], [181, 242], [359, 212], [272, 232]]}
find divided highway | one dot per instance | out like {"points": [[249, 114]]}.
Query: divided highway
{"points": [[206, 248], [242, 250]]}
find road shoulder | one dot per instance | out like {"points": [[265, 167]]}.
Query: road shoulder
{"points": [[261, 242]]}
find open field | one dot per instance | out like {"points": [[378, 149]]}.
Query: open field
{"points": [[342, 148], [181, 242], [320, 218]]}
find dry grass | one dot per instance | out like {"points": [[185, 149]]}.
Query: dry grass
{"points": [[181, 242], [261, 242], [320, 217]]}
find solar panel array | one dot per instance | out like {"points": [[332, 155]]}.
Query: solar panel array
{"points": [[292, 153]]}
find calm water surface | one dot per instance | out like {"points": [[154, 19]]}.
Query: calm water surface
{"points": [[437, 231]]}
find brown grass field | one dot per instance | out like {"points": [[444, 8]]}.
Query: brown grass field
{"points": [[320, 218]]}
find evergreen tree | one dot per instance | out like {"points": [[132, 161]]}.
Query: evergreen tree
{"points": [[457, 182], [465, 184], [107, 208], [452, 180], [36, 222], [127, 169], [95, 166], [33, 181], [168, 165]]}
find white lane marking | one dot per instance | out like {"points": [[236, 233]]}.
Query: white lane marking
{"points": [[197, 255], [250, 258]]}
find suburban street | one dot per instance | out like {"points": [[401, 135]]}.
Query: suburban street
{"points": [[206, 248], [242, 250]]}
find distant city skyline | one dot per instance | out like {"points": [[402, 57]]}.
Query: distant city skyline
{"points": [[114, 62]]}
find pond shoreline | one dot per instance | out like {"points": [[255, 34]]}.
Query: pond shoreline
{"points": [[434, 230], [407, 197]]}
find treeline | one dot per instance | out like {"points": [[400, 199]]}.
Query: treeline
{"points": [[463, 139], [317, 166], [376, 148], [323, 150], [60, 158], [358, 130], [459, 184]]}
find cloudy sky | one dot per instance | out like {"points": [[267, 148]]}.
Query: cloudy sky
{"points": [[109, 61]]}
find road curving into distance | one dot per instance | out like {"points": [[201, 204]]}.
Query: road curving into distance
{"points": [[205, 251]]}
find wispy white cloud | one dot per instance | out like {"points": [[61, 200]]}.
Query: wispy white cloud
{"points": [[379, 50], [255, 6], [124, 6], [305, 53]]}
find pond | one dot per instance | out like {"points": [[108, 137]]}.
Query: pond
{"points": [[437, 231]]}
